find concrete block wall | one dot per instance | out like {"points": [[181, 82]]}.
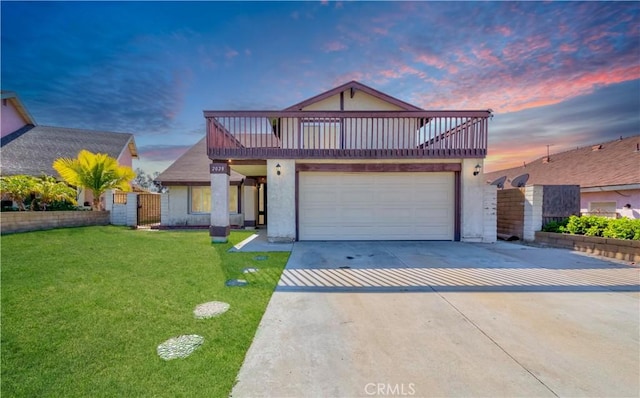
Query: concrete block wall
{"points": [[23, 221], [620, 249], [119, 214], [122, 214], [164, 209], [533, 200], [132, 210]]}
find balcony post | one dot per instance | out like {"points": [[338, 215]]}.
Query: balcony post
{"points": [[219, 227]]}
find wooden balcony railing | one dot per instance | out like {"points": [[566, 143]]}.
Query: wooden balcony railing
{"points": [[346, 134]]}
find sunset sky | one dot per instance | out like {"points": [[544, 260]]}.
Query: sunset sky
{"points": [[562, 74]]}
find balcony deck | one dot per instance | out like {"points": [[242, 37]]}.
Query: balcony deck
{"points": [[346, 134]]}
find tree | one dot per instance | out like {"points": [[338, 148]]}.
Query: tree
{"points": [[96, 172], [17, 188], [147, 181], [48, 191]]}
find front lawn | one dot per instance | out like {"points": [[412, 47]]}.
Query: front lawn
{"points": [[83, 310]]}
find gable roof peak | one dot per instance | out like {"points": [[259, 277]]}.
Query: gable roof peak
{"points": [[354, 85]]}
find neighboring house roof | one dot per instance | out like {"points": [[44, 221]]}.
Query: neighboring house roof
{"points": [[13, 98], [192, 168], [32, 150], [610, 164], [354, 86]]}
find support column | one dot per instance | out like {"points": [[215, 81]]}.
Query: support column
{"points": [[249, 203], [472, 217], [219, 227], [533, 195], [281, 200], [132, 209]]}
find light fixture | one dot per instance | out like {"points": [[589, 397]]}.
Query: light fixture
{"points": [[278, 169], [476, 170]]}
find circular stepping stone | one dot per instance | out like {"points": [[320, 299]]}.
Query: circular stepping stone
{"points": [[180, 346], [250, 270], [236, 282], [210, 309], [260, 258]]}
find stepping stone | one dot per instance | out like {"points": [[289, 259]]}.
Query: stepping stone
{"points": [[180, 346], [210, 309], [250, 270], [236, 282], [260, 258]]}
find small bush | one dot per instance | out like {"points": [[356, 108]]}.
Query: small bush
{"points": [[555, 226], [621, 228]]}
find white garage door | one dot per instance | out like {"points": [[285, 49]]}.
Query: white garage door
{"points": [[376, 206]]}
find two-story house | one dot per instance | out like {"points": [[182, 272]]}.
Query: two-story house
{"points": [[353, 163]]}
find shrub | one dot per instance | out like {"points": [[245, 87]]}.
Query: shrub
{"points": [[37, 193], [555, 226], [621, 228], [18, 189]]}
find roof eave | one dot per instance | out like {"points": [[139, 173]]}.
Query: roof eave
{"points": [[609, 188], [12, 97], [354, 85]]}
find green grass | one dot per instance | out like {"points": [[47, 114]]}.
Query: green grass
{"points": [[83, 310]]}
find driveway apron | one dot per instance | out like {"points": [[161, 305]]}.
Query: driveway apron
{"points": [[442, 319]]}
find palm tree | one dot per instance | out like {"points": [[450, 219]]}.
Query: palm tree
{"points": [[96, 172], [17, 188], [48, 190]]}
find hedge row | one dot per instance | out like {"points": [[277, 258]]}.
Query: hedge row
{"points": [[617, 228]]}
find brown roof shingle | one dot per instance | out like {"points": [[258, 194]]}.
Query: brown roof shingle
{"points": [[192, 168], [610, 163], [32, 150]]}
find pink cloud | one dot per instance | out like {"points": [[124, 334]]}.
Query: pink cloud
{"points": [[381, 31], [567, 48], [334, 46], [231, 53], [436, 62], [503, 30], [486, 56], [518, 93]]}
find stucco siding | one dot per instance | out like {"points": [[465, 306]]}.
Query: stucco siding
{"points": [[281, 200], [178, 202], [125, 158], [11, 119], [620, 197], [473, 212]]}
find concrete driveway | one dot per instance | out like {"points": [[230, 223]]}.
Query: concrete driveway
{"points": [[441, 319]]}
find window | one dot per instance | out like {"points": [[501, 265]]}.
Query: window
{"points": [[201, 199], [604, 209], [233, 199]]}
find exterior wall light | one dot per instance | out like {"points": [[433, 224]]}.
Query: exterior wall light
{"points": [[476, 170], [278, 169]]}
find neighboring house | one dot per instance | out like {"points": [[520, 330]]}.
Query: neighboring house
{"points": [[608, 175], [354, 163], [188, 191], [27, 148]]}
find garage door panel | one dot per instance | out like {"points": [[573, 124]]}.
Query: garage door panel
{"points": [[376, 206]]}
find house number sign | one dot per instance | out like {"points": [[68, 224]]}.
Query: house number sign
{"points": [[219, 168]]}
